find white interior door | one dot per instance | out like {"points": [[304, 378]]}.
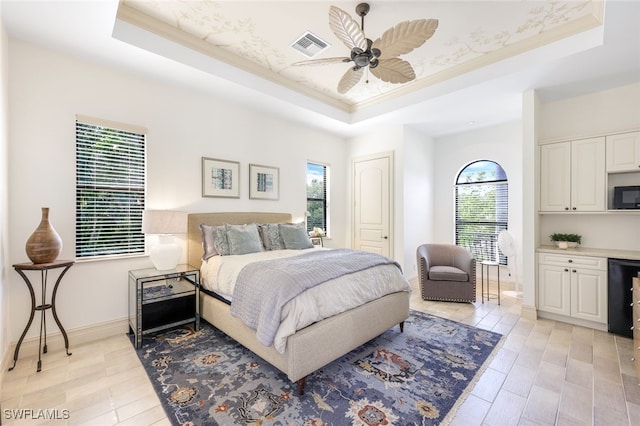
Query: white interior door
{"points": [[372, 177]]}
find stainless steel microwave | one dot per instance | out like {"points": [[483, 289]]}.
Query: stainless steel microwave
{"points": [[626, 197]]}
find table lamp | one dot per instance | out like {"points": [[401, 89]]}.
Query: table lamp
{"points": [[165, 223]]}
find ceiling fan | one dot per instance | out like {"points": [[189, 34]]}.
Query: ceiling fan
{"points": [[380, 56]]}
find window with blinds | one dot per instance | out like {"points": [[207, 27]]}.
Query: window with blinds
{"points": [[110, 188], [317, 182], [482, 198]]}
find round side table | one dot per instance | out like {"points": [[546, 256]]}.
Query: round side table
{"points": [[488, 264], [44, 269]]}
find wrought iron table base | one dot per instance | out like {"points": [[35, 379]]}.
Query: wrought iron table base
{"points": [[43, 268]]}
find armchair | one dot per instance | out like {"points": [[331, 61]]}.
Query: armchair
{"points": [[447, 272]]}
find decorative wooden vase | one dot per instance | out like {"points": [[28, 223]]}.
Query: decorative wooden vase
{"points": [[44, 245]]}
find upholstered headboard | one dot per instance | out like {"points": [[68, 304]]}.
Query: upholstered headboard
{"points": [[194, 236]]}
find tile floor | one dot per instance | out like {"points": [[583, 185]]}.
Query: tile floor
{"points": [[545, 373]]}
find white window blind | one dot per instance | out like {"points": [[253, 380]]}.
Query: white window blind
{"points": [[110, 188], [482, 198], [317, 206]]}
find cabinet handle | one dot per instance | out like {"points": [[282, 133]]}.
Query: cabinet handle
{"points": [[574, 208], [566, 208], [570, 261], [574, 271], [566, 270]]}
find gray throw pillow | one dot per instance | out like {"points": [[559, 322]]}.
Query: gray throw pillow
{"points": [[270, 234], [220, 240], [295, 236], [208, 241], [243, 239]]}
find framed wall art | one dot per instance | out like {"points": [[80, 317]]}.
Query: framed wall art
{"points": [[220, 178], [264, 182]]}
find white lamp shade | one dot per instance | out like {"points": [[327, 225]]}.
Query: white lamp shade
{"points": [[164, 222]]}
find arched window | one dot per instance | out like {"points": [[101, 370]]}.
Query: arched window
{"points": [[482, 209]]}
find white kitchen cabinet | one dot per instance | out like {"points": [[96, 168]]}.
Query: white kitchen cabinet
{"points": [[572, 176], [573, 286], [623, 153]]}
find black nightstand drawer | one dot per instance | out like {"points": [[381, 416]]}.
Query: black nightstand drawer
{"points": [[168, 312]]}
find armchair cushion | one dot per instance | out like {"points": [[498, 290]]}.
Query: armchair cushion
{"points": [[447, 273]]}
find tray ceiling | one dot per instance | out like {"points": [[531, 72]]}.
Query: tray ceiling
{"points": [[256, 37]]}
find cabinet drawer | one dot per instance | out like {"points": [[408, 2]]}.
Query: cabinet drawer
{"points": [[584, 262]]}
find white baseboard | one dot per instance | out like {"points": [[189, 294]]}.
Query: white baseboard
{"points": [[55, 341], [529, 312], [574, 321]]}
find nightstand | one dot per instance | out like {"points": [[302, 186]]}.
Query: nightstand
{"points": [[163, 299]]}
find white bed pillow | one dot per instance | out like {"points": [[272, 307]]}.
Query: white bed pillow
{"points": [[243, 239]]}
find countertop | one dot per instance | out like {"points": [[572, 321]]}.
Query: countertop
{"points": [[591, 251]]}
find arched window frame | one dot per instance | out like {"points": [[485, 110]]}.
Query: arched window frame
{"points": [[478, 220]]}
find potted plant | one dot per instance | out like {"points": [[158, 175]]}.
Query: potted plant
{"points": [[571, 240]]}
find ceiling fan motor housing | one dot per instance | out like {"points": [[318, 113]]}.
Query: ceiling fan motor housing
{"points": [[362, 58]]}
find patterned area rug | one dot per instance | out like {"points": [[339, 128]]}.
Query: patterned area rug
{"points": [[415, 377]]}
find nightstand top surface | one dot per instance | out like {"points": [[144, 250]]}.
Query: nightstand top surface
{"points": [[153, 272]]}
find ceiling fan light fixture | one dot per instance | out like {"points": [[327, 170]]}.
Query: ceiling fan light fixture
{"points": [[362, 60]]}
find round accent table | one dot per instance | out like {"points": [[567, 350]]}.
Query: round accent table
{"points": [[488, 264], [44, 269]]}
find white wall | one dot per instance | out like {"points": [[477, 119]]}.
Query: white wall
{"points": [[419, 185], [609, 111], [502, 144], [4, 210], [48, 89], [530, 201]]}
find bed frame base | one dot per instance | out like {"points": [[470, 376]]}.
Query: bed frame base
{"points": [[317, 345]]}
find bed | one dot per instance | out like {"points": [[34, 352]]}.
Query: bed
{"points": [[313, 346]]}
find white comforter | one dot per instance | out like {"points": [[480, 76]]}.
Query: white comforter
{"points": [[219, 274]]}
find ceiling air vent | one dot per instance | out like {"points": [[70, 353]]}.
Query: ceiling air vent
{"points": [[310, 44]]}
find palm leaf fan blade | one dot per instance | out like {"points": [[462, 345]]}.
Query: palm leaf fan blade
{"points": [[346, 29], [394, 70], [349, 79], [405, 37], [322, 61]]}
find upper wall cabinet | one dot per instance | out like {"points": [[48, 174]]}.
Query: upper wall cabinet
{"points": [[623, 153], [572, 176]]}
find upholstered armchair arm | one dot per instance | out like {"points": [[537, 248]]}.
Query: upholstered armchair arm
{"points": [[464, 260], [422, 255]]}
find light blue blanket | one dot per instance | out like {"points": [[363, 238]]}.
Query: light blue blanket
{"points": [[263, 288]]}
